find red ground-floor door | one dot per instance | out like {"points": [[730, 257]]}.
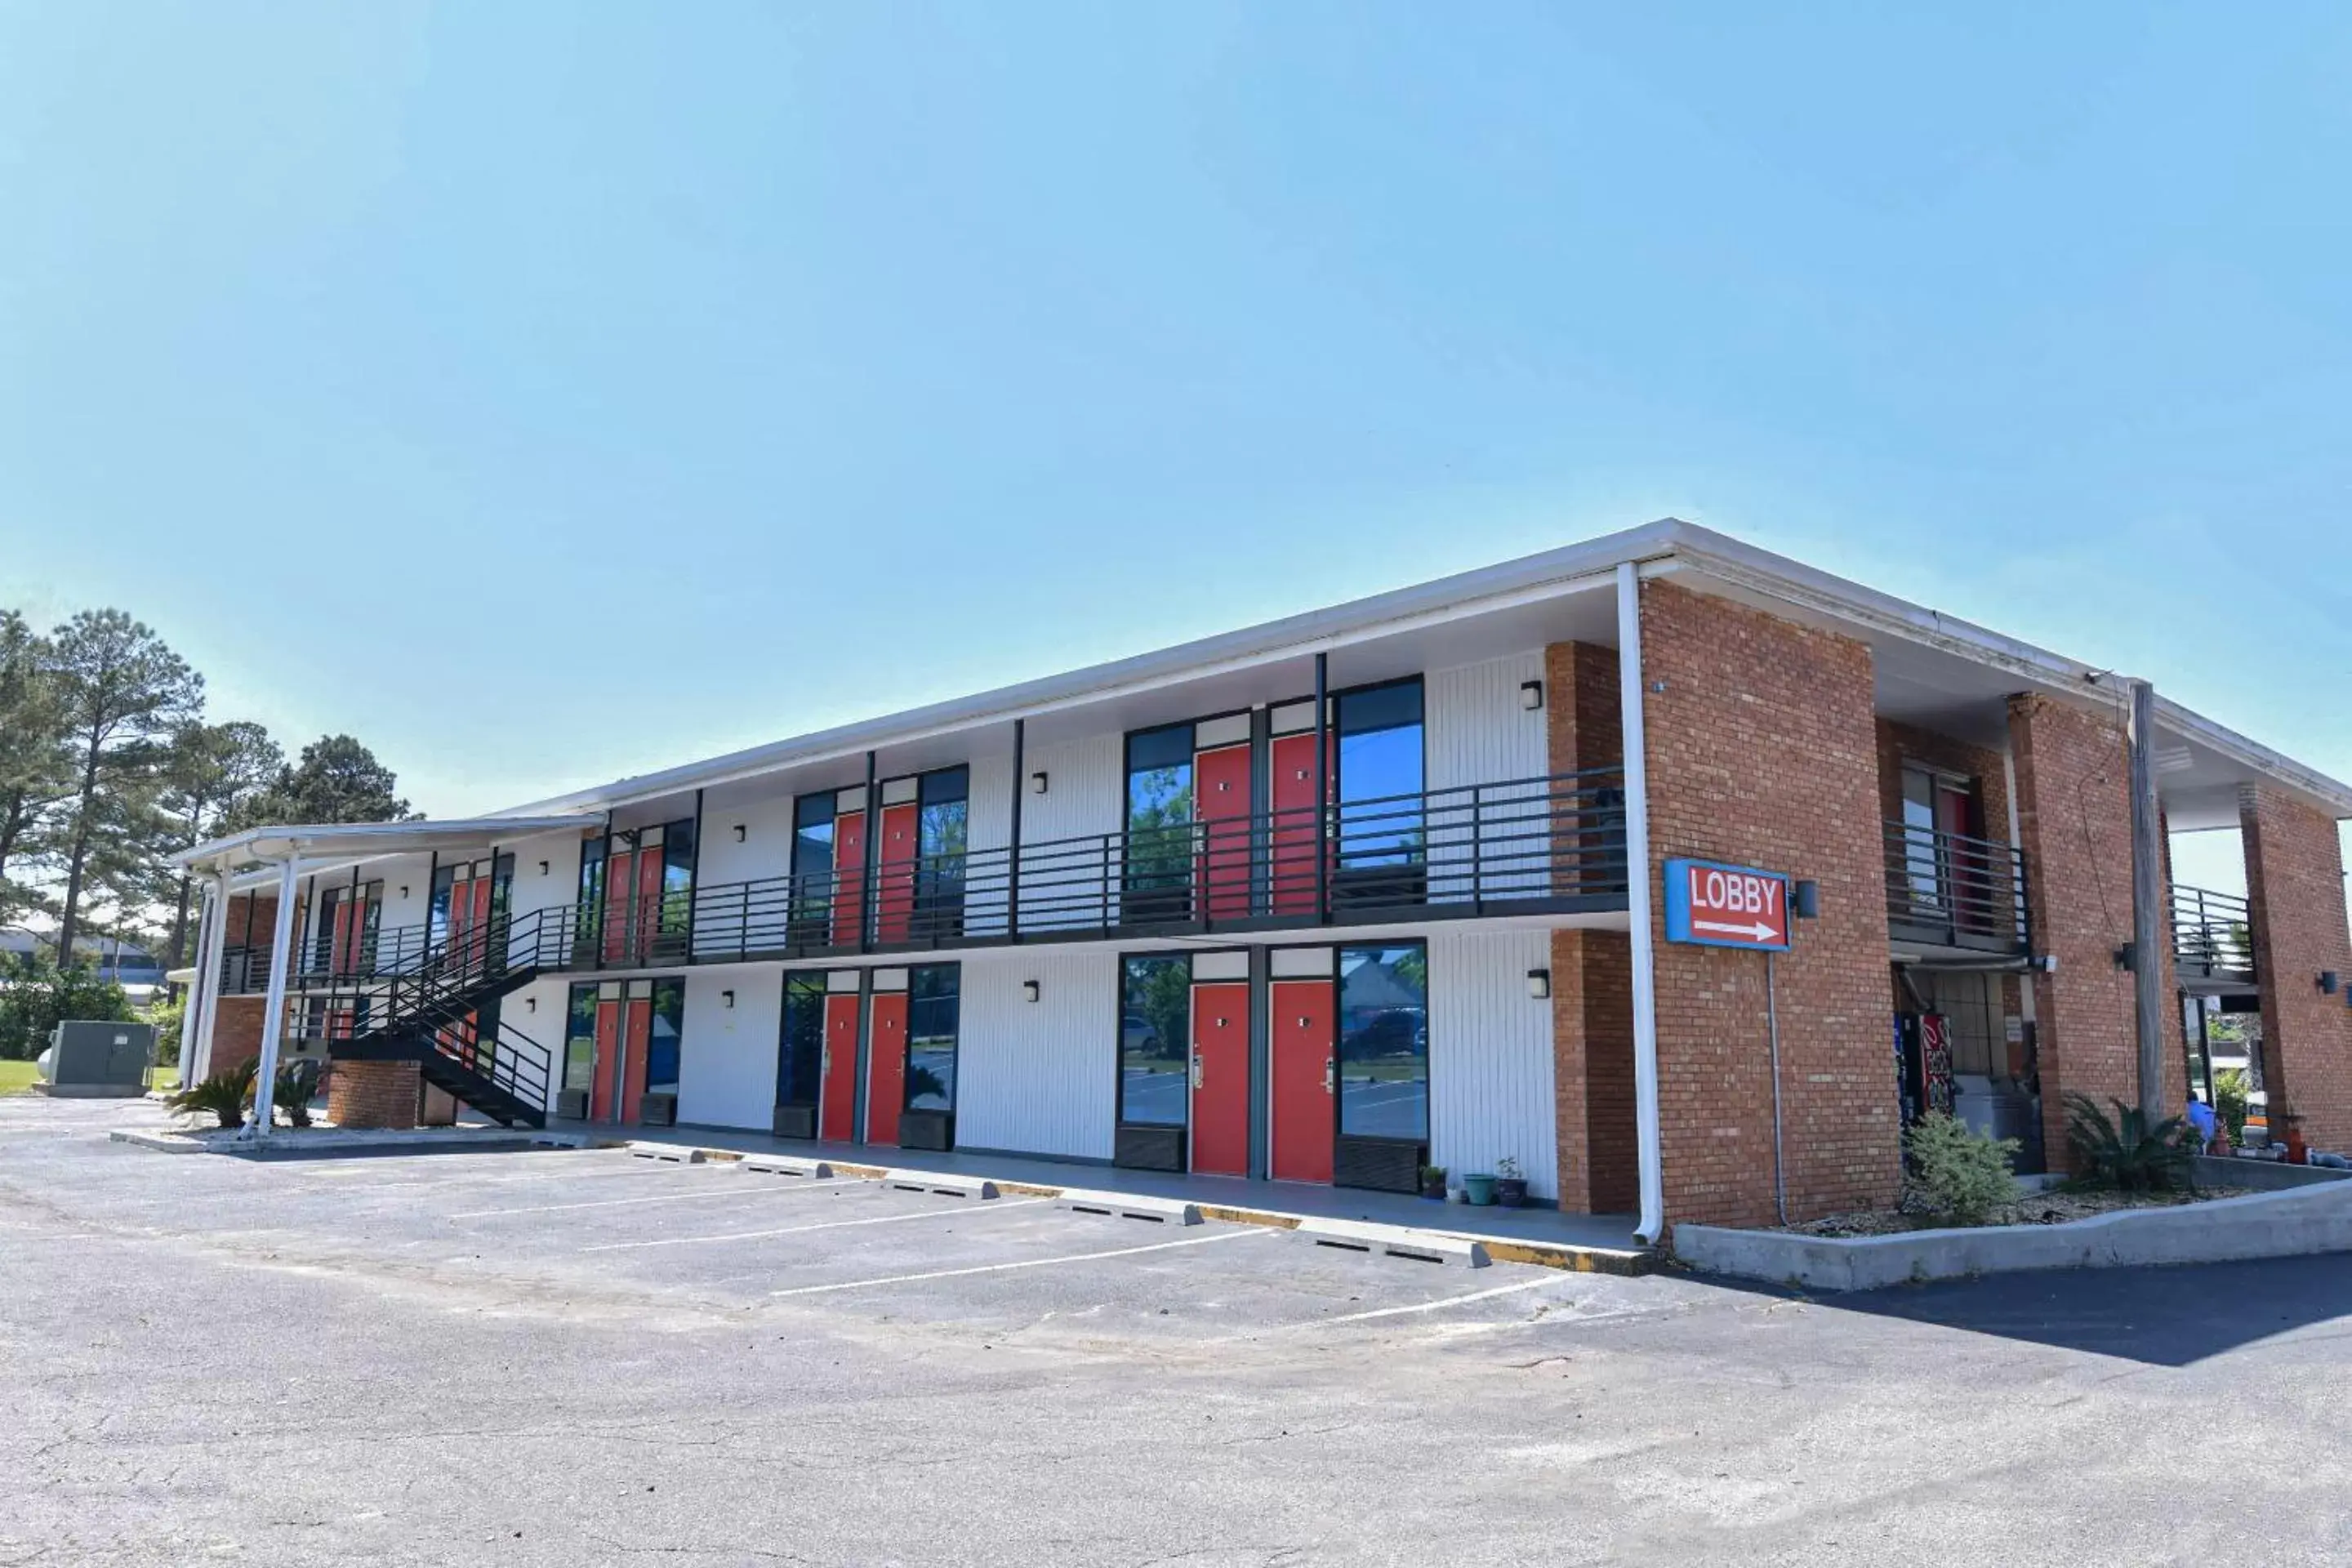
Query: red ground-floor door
{"points": [[1220, 1114], [838, 1104], [608, 1050], [1303, 1079], [886, 1073], [636, 1035]]}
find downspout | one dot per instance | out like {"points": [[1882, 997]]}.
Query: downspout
{"points": [[1653, 1222]]}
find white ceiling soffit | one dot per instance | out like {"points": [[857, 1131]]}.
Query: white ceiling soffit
{"points": [[349, 843]]}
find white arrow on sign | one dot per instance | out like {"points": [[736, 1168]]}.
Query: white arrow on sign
{"points": [[1759, 931]]}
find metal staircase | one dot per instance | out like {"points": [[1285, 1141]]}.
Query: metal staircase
{"points": [[427, 1014]]}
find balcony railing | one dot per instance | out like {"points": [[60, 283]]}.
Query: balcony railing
{"points": [[1555, 842], [2213, 936], [1548, 844], [1949, 889]]}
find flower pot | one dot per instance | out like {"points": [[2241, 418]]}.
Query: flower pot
{"points": [[1433, 1187], [1510, 1191], [1480, 1188]]}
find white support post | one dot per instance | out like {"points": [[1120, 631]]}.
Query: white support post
{"points": [[273, 1016], [1653, 1223], [212, 950]]}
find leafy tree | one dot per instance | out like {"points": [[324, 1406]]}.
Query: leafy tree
{"points": [[122, 693], [33, 765], [338, 780], [210, 771], [34, 995]]}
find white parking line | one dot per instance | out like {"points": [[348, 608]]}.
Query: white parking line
{"points": [[1429, 1306], [325, 1182], [971, 1213], [1237, 1234], [733, 1190]]}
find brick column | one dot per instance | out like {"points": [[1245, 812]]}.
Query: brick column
{"points": [[1591, 971], [1763, 750], [2294, 888], [373, 1094], [2073, 812]]}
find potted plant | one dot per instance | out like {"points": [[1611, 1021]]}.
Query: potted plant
{"points": [[1480, 1188], [1510, 1183], [1433, 1182]]}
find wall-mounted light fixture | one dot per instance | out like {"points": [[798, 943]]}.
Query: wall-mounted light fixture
{"points": [[2124, 960], [404, 890], [2327, 983], [1530, 695], [531, 1004], [1805, 902], [542, 867], [739, 833], [1538, 984], [1029, 991], [727, 998], [1038, 784]]}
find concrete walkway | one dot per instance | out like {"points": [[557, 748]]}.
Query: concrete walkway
{"points": [[1604, 1243]]}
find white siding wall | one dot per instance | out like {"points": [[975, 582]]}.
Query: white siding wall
{"points": [[542, 1026], [414, 872], [726, 1056], [1084, 795], [730, 921], [1477, 733], [553, 888], [989, 829], [1490, 1055], [1038, 1077]]}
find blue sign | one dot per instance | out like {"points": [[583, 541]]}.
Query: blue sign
{"points": [[1713, 905]]}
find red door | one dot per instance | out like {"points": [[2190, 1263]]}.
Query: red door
{"points": [[620, 875], [649, 902], [848, 878], [608, 1048], [837, 1107], [1292, 759], [1221, 803], [637, 1028], [894, 903], [886, 1078], [1221, 1078], [1304, 1077]]}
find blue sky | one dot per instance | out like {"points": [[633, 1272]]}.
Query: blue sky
{"points": [[549, 392]]}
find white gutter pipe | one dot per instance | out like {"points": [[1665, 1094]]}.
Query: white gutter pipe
{"points": [[273, 1017], [1653, 1223]]}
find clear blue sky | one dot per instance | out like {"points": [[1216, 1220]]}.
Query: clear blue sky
{"points": [[549, 392]]}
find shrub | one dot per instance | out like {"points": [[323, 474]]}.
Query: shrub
{"points": [[296, 1082], [2229, 1101], [1962, 1175], [170, 1019], [223, 1095], [2125, 1151], [34, 995]]}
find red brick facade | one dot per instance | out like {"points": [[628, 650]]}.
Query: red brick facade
{"points": [[2074, 807], [373, 1094], [1763, 750], [2294, 884], [1981, 765], [236, 1032]]}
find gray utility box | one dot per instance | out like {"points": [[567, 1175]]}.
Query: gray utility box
{"points": [[98, 1061]]}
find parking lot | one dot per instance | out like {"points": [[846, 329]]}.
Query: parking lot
{"points": [[586, 1356]]}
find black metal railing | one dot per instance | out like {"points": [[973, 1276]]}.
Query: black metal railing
{"points": [[1558, 840], [2213, 936], [1953, 890]]}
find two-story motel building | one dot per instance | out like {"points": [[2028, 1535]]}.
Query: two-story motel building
{"points": [[1329, 899]]}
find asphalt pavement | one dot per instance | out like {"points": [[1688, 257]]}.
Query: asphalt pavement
{"points": [[583, 1357]]}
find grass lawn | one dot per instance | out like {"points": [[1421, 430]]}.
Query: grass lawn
{"points": [[18, 1078]]}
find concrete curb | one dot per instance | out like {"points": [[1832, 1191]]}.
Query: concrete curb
{"points": [[1393, 1241], [670, 1153], [1129, 1205], [2286, 1224], [938, 1186], [331, 1139], [778, 1165]]}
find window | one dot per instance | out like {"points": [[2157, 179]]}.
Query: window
{"points": [[811, 900], [942, 813], [1155, 1034], [579, 1038], [677, 877], [1160, 811], [932, 1005], [663, 1043], [1384, 1041], [800, 1055], [1379, 782]]}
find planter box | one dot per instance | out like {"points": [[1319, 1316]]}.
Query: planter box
{"points": [[1142, 1147], [931, 1130], [2286, 1224], [795, 1121], [657, 1111]]}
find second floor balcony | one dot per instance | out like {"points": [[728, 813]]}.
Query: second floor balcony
{"points": [[1950, 890]]}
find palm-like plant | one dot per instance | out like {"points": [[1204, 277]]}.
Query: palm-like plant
{"points": [[2125, 1151], [223, 1095]]}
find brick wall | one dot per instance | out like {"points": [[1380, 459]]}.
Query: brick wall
{"points": [[373, 1094], [1592, 970], [2073, 805], [2295, 882], [236, 1032], [1763, 750]]}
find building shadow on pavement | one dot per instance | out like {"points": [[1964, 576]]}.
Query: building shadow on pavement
{"points": [[2163, 1317]]}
